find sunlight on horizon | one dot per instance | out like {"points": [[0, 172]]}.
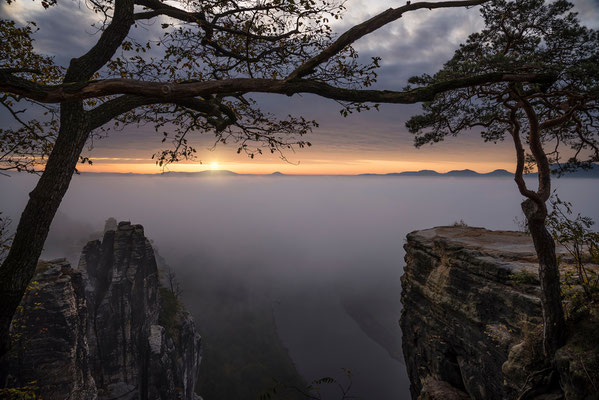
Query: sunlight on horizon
{"points": [[310, 167]]}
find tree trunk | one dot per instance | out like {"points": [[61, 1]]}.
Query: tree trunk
{"points": [[554, 330], [19, 266]]}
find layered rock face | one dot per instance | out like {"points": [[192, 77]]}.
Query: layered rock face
{"points": [[48, 334], [133, 356], [122, 286], [471, 316], [109, 329]]}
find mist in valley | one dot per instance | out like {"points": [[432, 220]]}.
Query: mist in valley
{"points": [[319, 258]]}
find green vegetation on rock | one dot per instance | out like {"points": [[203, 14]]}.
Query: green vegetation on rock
{"points": [[20, 393], [169, 310], [524, 277]]}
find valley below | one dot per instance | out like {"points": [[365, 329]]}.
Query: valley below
{"points": [[289, 279]]}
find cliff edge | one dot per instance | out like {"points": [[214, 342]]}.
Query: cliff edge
{"points": [[106, 330], [471, 320]]}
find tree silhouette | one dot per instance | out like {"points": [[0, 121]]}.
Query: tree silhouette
{"points": [[526, 37]]}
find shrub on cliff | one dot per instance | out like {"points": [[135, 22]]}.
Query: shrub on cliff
{"points": [[169, 311], [574, 233], [20, 393]]}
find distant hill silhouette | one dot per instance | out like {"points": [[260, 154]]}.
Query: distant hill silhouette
{"points": [[424, 172], [455, 173], [462, 172], [210, 172], [498, 173]]}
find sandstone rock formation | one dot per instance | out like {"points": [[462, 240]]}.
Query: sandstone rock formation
{"points": [[133, 355], [107, 330], [49, 343], [471, 318]]}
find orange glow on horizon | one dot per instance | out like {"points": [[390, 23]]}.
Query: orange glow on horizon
{"points": [[309, 167]]}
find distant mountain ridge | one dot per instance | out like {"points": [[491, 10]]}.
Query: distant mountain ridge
{"points": [[498, 173], [208, 172], [454, 173], [464, 173]]}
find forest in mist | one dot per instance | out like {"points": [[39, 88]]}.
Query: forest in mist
{"points": [[308, 267]]}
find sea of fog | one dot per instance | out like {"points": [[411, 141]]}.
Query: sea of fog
{"points": [[314, 244]]}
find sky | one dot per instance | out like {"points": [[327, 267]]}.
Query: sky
{"points": [[368, 142]]}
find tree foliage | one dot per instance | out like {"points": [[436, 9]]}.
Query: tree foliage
{"points": [[576, 235], [527, 37], [31, 139], [199, 41], [315, 389], [196, 70], [549, 119]]}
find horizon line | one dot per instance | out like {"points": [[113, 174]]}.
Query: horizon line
{"points": [[224, 172], [208, 171]]}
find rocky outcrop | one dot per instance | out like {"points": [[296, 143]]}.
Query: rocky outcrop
{"points": [[49, 349], [122, 297], [471, 317], [133, 355], [107, 330]]}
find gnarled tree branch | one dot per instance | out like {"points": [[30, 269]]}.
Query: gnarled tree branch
{"points": [[82, 68], [168, 91], [369, 26]]}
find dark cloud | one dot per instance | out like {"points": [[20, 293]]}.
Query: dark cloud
{"points": [[65, 30]]}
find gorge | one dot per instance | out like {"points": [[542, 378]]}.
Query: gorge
{"points": [[317, 245], [470, 321]]}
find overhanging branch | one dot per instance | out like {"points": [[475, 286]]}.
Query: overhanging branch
{"points": [[159, 8], [168, 91], [82, 68], [369, 26], [111, 109]]}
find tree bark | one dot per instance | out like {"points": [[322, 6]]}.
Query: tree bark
{"points": [[168, 91], [19, 266], [535, 211], [554, 331]]}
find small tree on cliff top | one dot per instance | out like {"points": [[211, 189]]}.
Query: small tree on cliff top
{"points": [[532, 37]]}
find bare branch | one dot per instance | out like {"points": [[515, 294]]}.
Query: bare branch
{"points": [[160, 8], [369, 26], [515, 133], [106, 112], [536, 147], [82, 68]]}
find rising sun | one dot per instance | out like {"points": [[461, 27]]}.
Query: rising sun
{"points": [[214, 165]]}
